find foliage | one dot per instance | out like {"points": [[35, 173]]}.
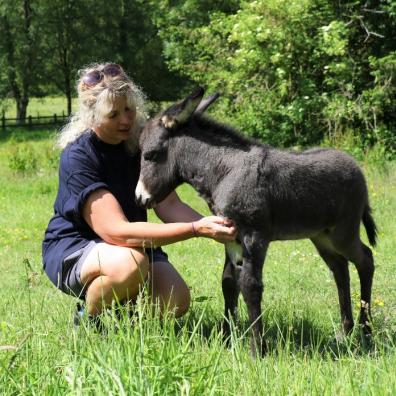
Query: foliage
{"points": [[59, 37], [291, 73], [22, 159], [21, 60], [140, 49], [294, 72], [70, 41]]}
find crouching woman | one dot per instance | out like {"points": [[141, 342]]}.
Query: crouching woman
{"points": [[98, 245]]}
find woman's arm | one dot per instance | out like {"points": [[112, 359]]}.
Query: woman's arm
{"points": [[172, 210], [105, 216]]}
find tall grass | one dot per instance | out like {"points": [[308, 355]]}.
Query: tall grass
{"points": [[42, 353]]}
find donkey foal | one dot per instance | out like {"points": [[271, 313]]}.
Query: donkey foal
{"points": [[270, 194]]}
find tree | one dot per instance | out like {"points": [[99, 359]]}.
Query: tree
{"points": [[75, 36], [138, 47], [293, 72], [20, 49], [80, 33]]}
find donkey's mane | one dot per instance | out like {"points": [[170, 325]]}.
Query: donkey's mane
{"points": [[215, 133]]}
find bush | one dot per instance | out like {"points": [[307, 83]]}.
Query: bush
{"points": [[22, 158], [295, 72]]}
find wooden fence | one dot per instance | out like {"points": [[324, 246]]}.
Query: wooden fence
{"points": [[32, 122]]}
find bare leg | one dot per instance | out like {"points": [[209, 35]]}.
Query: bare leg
{"points": [[168, 288], [112, 272]]}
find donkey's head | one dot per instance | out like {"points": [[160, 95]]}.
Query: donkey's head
{"points": [[159, 175]]}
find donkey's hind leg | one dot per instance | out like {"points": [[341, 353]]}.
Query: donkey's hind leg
{"points": [[230, 292], [339, 267], [362, 257]]}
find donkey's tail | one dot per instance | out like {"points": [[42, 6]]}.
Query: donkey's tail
{"points": [[369, 225]]}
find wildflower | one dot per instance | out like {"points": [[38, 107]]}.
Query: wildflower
{"points": [[378, 302]]}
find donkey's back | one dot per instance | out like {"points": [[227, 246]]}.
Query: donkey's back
{"points": [[292, 195]]}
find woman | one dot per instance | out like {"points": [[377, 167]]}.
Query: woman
{"points": [[98, 245]]}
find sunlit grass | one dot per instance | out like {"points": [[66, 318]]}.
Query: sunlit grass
{"points": [[41, 353], [47, 106]]}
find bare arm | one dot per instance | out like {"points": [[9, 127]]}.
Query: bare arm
{"points": [[172, 209], [105, 216]]}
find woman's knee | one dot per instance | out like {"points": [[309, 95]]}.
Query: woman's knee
{"points": [[131, 266], [169, 288], [181, 300], [120, 265]]}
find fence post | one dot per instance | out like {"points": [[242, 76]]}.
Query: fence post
{"points": [[55, 119], [30, 122]]}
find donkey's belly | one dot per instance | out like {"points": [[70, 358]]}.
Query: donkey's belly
{"points": [[288, 234]]}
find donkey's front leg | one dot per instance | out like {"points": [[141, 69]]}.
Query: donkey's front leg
{"points": [[254, 250], [230, 292]]}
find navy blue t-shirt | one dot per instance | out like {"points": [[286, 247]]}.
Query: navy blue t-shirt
{"points": [[86, 165]]}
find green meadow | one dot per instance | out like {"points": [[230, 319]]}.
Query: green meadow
{"points": [[42, 353], [46, 106]]}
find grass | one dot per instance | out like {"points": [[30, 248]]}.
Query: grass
{"points": [[46, 106], [41, 353]]}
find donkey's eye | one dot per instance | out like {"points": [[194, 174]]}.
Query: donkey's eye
{"points": [[152, 155]]}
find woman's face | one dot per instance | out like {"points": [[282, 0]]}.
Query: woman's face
{"points": [[117, 125]]}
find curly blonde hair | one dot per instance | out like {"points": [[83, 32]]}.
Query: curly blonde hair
{"points": [[95, 102]]}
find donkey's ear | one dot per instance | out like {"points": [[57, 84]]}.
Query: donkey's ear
{"points": [[181, 112], [205, 103]]}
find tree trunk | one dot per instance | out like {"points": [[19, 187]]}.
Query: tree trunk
{"points": [[22, 104], [68, 91]]}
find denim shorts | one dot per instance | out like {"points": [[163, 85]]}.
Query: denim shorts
{"points": [[72, 264]]}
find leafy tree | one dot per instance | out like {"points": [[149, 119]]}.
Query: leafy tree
{"points": [[293, 72], [179, 23], [140, 50], [20, 52], [77, 33], [80, 33], [61, 36]]}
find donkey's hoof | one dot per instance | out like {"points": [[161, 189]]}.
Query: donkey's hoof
{"points": [[347, 326], [366, 331], [226, 329], [226, 336], [258, 348]]}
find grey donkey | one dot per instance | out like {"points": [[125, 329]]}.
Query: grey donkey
{"points": [[269, 194]]}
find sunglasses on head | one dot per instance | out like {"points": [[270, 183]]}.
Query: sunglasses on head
{"points": [[96, 76]]}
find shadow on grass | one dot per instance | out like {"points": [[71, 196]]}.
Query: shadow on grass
{"points": [[27, 135], [296, 335]]}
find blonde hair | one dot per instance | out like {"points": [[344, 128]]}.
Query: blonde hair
{"points": [[95, 102]]}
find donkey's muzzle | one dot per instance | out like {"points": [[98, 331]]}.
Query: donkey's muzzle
{"points": [[143, 197]]}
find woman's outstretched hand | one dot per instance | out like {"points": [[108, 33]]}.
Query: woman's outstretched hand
{"points": [[218, 228]]}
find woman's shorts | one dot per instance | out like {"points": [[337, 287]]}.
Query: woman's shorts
{"points": [[72, 264]]}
